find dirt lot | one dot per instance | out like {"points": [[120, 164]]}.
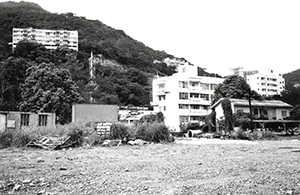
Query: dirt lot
{"points": [[188, 166]]}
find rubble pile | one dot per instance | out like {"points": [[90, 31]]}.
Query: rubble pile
{"points": [[52, 143]]}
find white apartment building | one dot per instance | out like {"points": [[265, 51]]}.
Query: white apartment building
{"points": [[183, 97], [51, 39], [265, 82]]}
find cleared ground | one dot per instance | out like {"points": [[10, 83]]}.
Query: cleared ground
{"points": [[187, 166]]}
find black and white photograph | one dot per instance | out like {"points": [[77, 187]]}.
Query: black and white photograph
{"points": [[139, 97]]}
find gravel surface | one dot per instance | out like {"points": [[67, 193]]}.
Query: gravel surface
{"points": [[203, 167]]}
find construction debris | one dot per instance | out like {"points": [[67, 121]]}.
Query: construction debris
{"points": [[138, 142], [112, 143], [52, 143]]}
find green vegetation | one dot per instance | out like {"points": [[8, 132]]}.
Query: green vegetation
{"points": [[126, 82], [82, 134]]}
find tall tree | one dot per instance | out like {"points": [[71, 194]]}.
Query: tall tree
{"points": [[234, 87], [49, 89], [12, 75], [226, 105]]}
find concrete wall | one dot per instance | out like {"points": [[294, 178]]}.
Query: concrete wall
{"points": [[94, 113]]}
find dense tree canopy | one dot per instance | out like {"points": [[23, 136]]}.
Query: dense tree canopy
{"points": [[12, 75], [234, 87], [49, 89]]}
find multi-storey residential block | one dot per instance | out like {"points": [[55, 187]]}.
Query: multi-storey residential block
{"points": [[265, 82], [51, 39], [183, 97]]}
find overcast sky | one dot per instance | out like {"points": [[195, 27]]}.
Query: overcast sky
{"points": [[213, 34]]}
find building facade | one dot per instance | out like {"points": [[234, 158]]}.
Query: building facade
{"points": [[51, 39], [183, 97], [265, 109], [265, 82], [22, 120]]}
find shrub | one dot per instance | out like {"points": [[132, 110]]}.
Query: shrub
{"points": [[76, 133], [14, 138], [242, 120], [153, 132], [256, 135], [269, 135], [119, 131], [6, 138], [21, 138], [240, 134]]}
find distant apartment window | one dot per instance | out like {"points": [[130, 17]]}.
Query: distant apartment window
{"points": [[195, 118], [205, 86], [213, 86], [204, 96], [161, 86], [195, 84], [194, 95], [161, 97], [203, 107], [42, 120], [183, 84], [24, 119], [183, 119], [183, 96], [196, 107], [183, 106]]}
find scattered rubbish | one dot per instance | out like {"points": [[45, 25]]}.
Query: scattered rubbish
{"points": [[52, 143], [137, 142], [26, 181], [112, 143], [17, 187]]}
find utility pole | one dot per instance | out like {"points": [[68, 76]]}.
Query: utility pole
{"points": [[250, 107]]}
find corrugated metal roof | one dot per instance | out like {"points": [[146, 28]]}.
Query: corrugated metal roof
{"points": [[263, 103]]}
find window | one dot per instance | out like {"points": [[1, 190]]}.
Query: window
{"points": [[183, 96], [195, 118], [195, 84], [205, 86], [183, 84], [213, 86], [283, 113], [161, 97], [24, 119], [194, 95], [183, 106], [161, 86], [197, 107], [183, 119], [204, 96], [42, 120]]}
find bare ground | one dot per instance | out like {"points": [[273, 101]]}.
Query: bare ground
{"points": [[216, 167]]}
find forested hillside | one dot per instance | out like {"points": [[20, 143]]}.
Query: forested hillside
{"points": [[292, 79], [128, 83]]}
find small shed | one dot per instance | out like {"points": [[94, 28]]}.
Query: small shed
{"points": [[21, 120], [94, 113]]}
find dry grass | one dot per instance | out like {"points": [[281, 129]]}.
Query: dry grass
{"points": [[267, 167]]}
